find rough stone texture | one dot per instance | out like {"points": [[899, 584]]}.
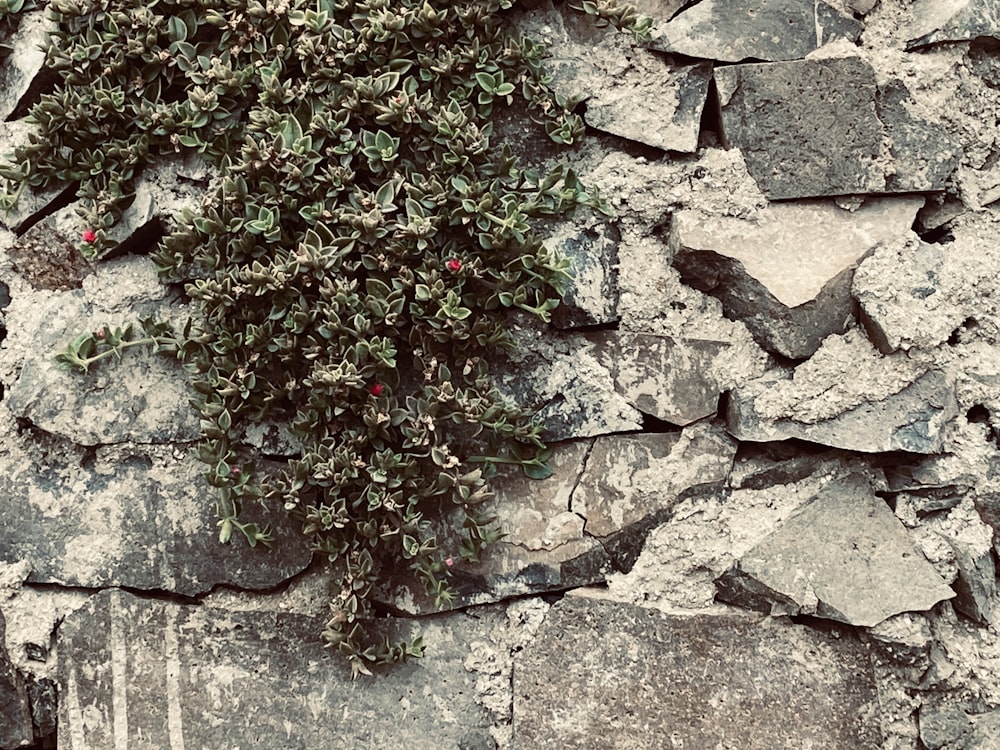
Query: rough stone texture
{"points": [[145, 399], [31, 202], [15, 711], [147, 522], [591, 296], [788, 120], [935, 21], [842, 556], [47, 255], [848, 396], [139, 672], [768, 30], [787, 274], [667, 378], [23, 69], [627, 677]]}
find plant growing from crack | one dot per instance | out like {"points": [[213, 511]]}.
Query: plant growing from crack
{"points": [[349, 275]]}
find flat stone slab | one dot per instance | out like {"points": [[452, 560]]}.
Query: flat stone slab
{"points": [[140, 673], [138, 517], [843, 555], [935, 21], [787, 119], [768, 30], [786, 274], [628, 678]]}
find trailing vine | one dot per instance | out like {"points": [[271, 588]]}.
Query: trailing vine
{"points": [[349, 275]]}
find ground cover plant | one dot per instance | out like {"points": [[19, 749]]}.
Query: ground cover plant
{"points": [[350, 273]]}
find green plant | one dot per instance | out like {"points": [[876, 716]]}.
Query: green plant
{"points": [[349, 275]]}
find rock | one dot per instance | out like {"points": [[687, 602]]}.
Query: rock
{"points": [[73, 515], [190, 676], [787, 274], [44, 707], [935, 21], [48, 254], [31, 203], [560, 377], [787, 120], [632, 483], [767, 30], [637, 678], [22, 71], [814, 561], [905, 639], [144, 398], [671, 379], [591, 296], [985, 732], [943, 725], [848, 396], [15, 711]]}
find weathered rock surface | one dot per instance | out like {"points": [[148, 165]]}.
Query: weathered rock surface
{"points": [[787, 119], [137, 517], [15, 711], [599, 671], [771, 30], [144, 398], [935, 21], [165, 675], [23, 69], [848, 396], [843, 556], [786, 274], [30, 201], [591, 296]]}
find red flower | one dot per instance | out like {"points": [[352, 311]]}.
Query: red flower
{"points": [[235, 471], [377, 389], [453, 264], [100, 334], [89, 235], [449, 562]]}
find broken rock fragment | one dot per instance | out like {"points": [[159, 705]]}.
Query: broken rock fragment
{"points": [[591, 296], [934, 21], [787, 274], [767, 30], [638, 678], [843, 556]]}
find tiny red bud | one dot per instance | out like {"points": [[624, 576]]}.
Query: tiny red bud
{"points": [[454, 265], [89, 235], [449, 562], [377, 389], [235, 471], [100, 334]]}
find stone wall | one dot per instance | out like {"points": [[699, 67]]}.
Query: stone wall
{"points": [[773, 394]]}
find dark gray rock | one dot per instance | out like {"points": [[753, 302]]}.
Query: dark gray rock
{"points": [[912, 419], [768, 30], [815, 560], [142, 518], [787, 274], [15, 711], [787, 120], [608, 674], [44, 706], [591, 296], [196, 677], [935, 21], [944, 725]]}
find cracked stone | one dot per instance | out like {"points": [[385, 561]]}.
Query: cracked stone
{"points": [[192, 676], [935, 21], [15, 711], [787, 119], [787, 274], [22, 72], [814, 562], [906, 639], [768, 30], [591, 296], [167, 542], [638, 678]]}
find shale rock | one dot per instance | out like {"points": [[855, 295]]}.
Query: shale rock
{"points": [[600, 669], [788, 120], [190, 676], [15, 711], [862, 402], [591, 296], [787, 274], [770, 30], [814, 563], [141, 518], [935, 21]]}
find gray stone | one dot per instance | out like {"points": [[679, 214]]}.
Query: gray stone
{"points": [[137, 517], [139, 672], [787, 274], [15, 710], [44, 706], [842, 556], [935, 21], [768, 30], [144, 398], [48, 254], [985, 732], [944, 725], [668, 378], [787, 119], [591, 296], [22, 71], [613, 675], [905, 639], [31, 202]]}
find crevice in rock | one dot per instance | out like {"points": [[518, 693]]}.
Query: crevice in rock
{"points": [[656, 425], [140, 242], [65, 197], [710, 131], [941, 235], [960, 334]]}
